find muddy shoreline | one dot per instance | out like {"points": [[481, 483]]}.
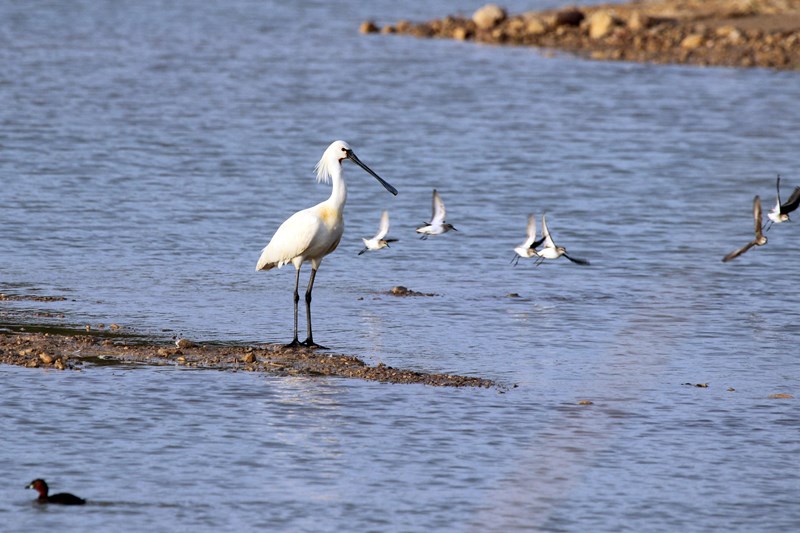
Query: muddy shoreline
{"points": [[72, 349], [732, 33]]}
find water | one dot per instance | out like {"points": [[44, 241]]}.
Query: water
{"points": [[149, 151]]}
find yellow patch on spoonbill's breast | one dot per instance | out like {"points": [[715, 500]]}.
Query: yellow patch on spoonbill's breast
{"points": [[328, 215]]}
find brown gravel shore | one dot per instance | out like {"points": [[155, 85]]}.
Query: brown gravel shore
{"points": [[77, 350], [734, 33]]}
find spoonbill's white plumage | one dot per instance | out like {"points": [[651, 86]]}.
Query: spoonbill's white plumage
{"points": [[379, 241], [437, 225], [760, 238], [551, 251], [528, 248], [313, 233], [780, 213]]}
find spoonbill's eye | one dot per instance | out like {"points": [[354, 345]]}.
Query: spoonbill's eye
{"points": [[344, 149]]}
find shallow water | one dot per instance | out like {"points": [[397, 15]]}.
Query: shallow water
{"points": [[147, 154]]}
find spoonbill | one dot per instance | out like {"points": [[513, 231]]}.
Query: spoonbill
{"points": [[437, 225], [551, 251], [780, 213], [379, 241], [528, 248], [760, 239], [313, 233]]}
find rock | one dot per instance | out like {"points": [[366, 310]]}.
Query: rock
{"points": [[690, 42], [368, 27], [388, 29], [400, 290], [600, 24], [184, 343], [489, 16], [249, 358], [781, 396], [535, 26], [45, 358], [569, 17], [730, 33], [403, 26], [460, 33]]}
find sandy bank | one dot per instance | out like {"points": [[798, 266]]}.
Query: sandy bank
{"points": [[736, 33]]}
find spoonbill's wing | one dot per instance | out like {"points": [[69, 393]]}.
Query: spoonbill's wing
{"points": [[384, 227], [437, 218], [548, 241], [293, 238], [757, 216]]}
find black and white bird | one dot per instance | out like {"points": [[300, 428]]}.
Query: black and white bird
{"points": [[760, 239], [551, 251], [437, 225], [528, 248], [780, 213], [379, 241]]}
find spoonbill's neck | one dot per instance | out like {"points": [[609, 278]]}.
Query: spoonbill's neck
{"points": [[338, 188]]}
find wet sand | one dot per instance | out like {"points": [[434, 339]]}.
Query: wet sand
{"points": [[66, 349], [734, 33]]}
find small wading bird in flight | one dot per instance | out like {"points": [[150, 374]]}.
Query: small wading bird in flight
{"points": [[551, 251], [528, 248], [313, 233], [437, 225], [780, 213], [378, 241], [760, 239]]}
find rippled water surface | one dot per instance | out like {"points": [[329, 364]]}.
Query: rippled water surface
{"points": [[148, 151]]}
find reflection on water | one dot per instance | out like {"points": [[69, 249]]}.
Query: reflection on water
{"points": [[149, 152]]}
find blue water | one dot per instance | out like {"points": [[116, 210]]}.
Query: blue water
{"points": [[148, 151]]}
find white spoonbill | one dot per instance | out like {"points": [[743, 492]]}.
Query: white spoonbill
{"points": [[379, 241], [437, 225], [551, 251], [313, 233], [528, 248]]}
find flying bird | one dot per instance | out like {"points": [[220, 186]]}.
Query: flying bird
{"points": [[780, 213], [313, 233], [379, 241], [437, 225], [551, 251], [528, 248], [760, 239]]}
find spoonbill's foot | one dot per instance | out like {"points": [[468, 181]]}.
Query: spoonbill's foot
{"points": [[309, 342], [294, 344]]}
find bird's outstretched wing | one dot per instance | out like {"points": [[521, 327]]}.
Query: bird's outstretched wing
{"points": [[792, 203], [757, 217], [737, 253], [548, 241], [576, 260], [384, 227], [438, 211], [531, 231]]}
